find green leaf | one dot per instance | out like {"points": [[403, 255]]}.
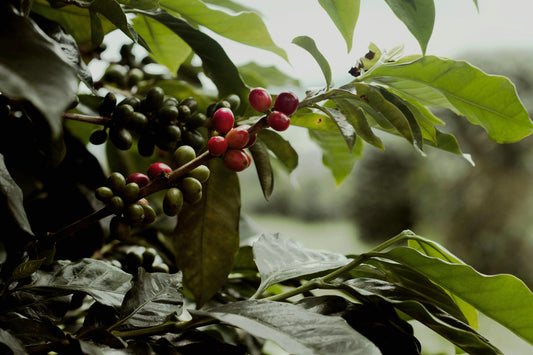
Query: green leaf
{"points": [[35, 331], [112, 10], [356, 117], [421, 309], [418, 16], [280, 147], [27, 268], [206, 238], [295, 329], [448, 142], [344, 14], [309, 45], [389, 111], [336, 156], [12, 199], [153, 299], [107, 284], [28, 60], [167, 48], [76, 21], [228, 4], [503, 298], [141, 4], [256, 75], [263, 168], [487, 100], [279, 259], [97, 31], [244, 27], [217, 65], [309, 118], [345, 128]]}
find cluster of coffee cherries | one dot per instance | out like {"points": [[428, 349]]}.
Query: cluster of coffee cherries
{"points": [[229, 142], [123, 194], [156, 120]]}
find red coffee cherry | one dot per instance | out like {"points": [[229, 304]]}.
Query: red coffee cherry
{"points": [[238, 137], [259, 99], [286, 102], [236, 159], [223, 120], [278, 121], [217, 145], [138, 178], [251, 141], [155, 169]]}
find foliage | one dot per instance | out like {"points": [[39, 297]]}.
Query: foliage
{"points": [[81, 274]]}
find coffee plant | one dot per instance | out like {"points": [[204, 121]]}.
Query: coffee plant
{"points": [[120, 199]]}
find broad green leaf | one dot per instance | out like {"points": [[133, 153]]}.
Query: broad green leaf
{"points": [[418, 16], [280, 147], [335, 154], [217, 65], [228, 4], [344, 14], [313, 119], [112, 10], [421, 309], [141, 4], [295, 329], [389, 111], [279, 259], [33, 332], [75, 20], [487, 100], [309, 45], [167, 48], [263, 168], [503, 298], [436, 250], [409, 115], [424, 119], [12, 200], [345, 128], [28, 60], [357, 119], [107, 284], [27, 268], [206, 238], [256, 75], [153, 299], [448, 142], [97, 31], [244, 27], [477, 6]]}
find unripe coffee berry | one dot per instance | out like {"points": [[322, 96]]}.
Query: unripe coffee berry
{"points": [[286, 102], [238, 137], [104, 193], [98, 136], [200, 173], [259, 99], [223, 120], [138, 178], [134, 212], [131, 192], [278, 121], [217, 145], [236, 160], [173, 201], [116, 182], [155, 169], [192, 190], [183, 155]]}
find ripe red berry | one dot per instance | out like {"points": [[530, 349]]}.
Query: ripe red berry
{"points": [[259, 99], [278, 121], [223, 120], [217, 145], [286, 102], [238, 137], [251, 141], [138, 178], [155, 169], [236, 159]]}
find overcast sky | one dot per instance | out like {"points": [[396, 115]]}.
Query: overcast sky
{"points": [[458, 27]]}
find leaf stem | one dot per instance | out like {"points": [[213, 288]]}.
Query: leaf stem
{"points": [[101, 120]]}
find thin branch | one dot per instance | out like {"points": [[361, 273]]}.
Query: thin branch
{"points": [[101, 120]]}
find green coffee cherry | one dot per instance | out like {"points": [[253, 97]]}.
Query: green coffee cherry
{"points": [[117, 204], [122, 113], [130, 193], [104, 193], [184, 113], [108, 105], [146, 144], [171, 101], [167, 114], [193, 138], [154, 98], [191, 103], [234, 101], [197, 120], [116, 181], [149, 213], [183, 155], [192, 190], [200, 173], [135, 75], [98, 136], [133, 101], [173, 201], [121, 137], [136, 121], [134, 212]]}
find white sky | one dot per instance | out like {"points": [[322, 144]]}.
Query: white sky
{"points": [[500, 24]]}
